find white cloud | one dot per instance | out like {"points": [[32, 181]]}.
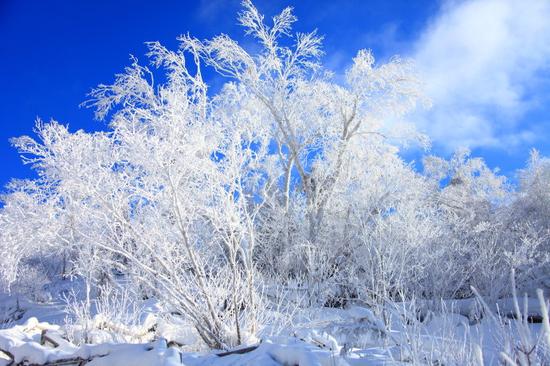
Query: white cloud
{"points": [[210, 10], [482, 61]]}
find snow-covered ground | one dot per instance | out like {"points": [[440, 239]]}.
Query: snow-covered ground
{"points": [[39, 333]]}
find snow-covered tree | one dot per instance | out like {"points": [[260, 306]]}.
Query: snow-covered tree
{"points": [[285, 175]]}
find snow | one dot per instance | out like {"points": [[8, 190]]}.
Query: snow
{"points": [[319, 336]]}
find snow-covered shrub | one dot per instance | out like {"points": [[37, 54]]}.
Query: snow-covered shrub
{"points": [[116, 315], [519, 344]]}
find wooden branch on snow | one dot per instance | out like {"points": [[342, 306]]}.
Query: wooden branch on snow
{"points": [[239, 351], [15, 315], [61, 362], [175, 344], [10, 355], [45, 339], [531, 318]]}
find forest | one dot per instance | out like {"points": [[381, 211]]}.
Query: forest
{"points": [[272, 220]]}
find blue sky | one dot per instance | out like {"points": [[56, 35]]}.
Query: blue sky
{"points": [[486, 62]]}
